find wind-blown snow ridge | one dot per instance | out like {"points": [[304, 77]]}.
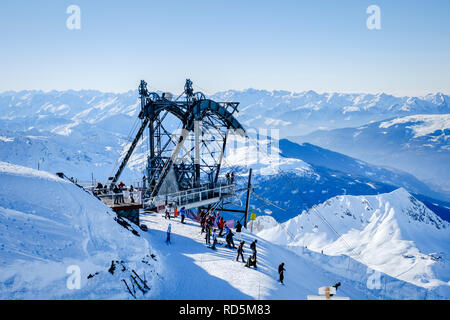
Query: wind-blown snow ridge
{"points": [[47, 225], [393, 233], [422, 124]]}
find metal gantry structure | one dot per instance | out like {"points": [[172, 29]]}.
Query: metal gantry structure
{"points": [[187, 159]]}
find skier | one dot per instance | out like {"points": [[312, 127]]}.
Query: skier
{"points": [[238, 226], [182, 213], [280, 272], [167, 215], [253, 247], [229, 238], [337, 285], [169, 229], [214, 239], [240, 251], [251, 261], [208, 234], [203, 222]]}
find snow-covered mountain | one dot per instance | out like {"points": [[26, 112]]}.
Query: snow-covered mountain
{"points": [[293, 113], [51, 229], [392, 233], [84, 133], [417, 144], [294, 177], [304, 112]]}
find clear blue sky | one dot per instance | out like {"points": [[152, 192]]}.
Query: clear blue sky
{"points": [[322, 45]]}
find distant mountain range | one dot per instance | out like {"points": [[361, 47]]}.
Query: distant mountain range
{"points": [[84, 133], [418, 144], [301, 113]]}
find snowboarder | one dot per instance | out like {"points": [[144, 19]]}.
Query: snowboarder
{"points": [[203, 222], [240, 251], [281, 269], [229, 238], [182, 213], [169, 229], [208, 234]]}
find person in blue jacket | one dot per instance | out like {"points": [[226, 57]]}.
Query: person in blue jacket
{"points": [[182, 213]]}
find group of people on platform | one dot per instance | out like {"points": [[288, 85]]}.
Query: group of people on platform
{"points": [[117, 192], [229, 177]]}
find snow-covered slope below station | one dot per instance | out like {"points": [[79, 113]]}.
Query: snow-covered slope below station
{"points": [[194, 271]]}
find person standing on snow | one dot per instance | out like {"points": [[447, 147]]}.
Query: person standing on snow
{"points": [[221, 226], [182, 213], [240, 251], [281, 269], [169, 229], [253, 247], [214, 239], [229, 238]]}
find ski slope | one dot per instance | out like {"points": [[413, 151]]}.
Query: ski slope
{"points": [[194, 271]]}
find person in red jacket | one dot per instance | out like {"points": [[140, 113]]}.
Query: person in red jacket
{"points": [[221, 226]]}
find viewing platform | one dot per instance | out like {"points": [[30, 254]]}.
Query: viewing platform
{"points": [[192, 198]]}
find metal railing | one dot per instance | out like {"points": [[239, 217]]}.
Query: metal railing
{"points": [[190, 196], [124, 197]]}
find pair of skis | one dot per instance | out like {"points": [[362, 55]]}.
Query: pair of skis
{"points": [[141, 284]]}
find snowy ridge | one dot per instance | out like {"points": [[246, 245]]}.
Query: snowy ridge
{"points": [[393, 233], [303, 112], [48, 224], [423, 124]]}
